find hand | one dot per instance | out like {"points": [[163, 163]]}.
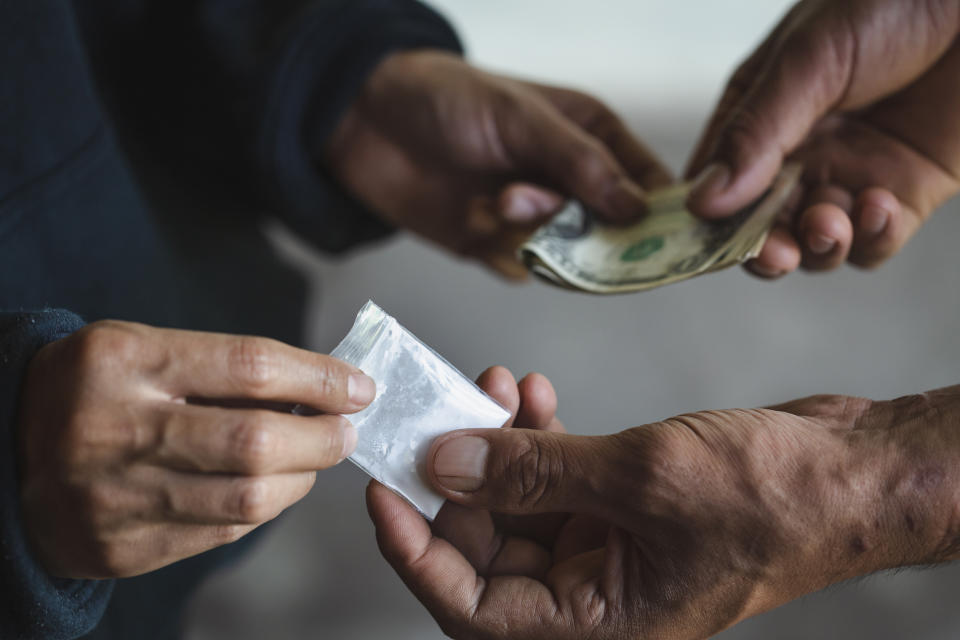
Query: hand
{"points": [[143, 446], [474, 161], [682, 528], [864, 93]]}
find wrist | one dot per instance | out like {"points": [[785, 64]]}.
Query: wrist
{"points": [[906, 452], [393, 96]]}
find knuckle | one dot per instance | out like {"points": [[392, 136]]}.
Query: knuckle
{"points": [[592, 169], [227, 533], [251, 502], [111, 561], [533, 468], [331, 380], [332, 438], [252, 444], [600, 119], [746, 132], [96, 504], [103, 343], [253, 362]]}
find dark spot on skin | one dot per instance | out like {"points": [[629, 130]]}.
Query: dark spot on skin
{"points": [[928, 478], [911, 524], [857, 545]]}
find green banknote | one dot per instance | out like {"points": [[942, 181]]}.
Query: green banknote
{"points": [[575, 251]]}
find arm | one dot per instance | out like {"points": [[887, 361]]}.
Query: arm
{"points": [[129, 448], [865, 95], [236, 100], [371, 99], [683, 528]]}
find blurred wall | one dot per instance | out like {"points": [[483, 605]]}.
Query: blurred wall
{"points": [[724, 340]]}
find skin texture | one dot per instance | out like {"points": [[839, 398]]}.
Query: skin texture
{"points": [[474, 161], [865, 94], [678, 529], [143, 446]]}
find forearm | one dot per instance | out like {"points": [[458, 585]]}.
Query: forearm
{"points": [[908, 449], [247, 94], [880, 490]]}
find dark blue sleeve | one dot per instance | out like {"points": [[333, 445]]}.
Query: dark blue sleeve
{"points": [[35, 604], [235, 97]]}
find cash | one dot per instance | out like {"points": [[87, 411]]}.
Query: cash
{"points": [[576, 251]]}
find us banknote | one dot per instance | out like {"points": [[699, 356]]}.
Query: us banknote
{"points": [[576, 251]]}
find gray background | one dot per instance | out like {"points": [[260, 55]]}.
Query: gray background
{"points": [[725, 340]]}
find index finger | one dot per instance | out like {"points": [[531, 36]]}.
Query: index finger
{"points": [[213, 365], [601, 122]]}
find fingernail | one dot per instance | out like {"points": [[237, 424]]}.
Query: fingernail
{"points": [[460, 464], [873, 220], [711, 181], [821, 244], [361, 389], [522, 209], [349, 440]]}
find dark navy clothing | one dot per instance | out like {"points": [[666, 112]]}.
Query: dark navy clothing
{"points": [[142, 143]]}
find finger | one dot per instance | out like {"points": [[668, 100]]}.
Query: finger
{"points": [[473, 533], [524, 203], [482, 219], [210, 499], [437, 574], [881, 227], [895, 186], [779, 256], [506, 265], [578, 535], [522, 471], [156, 545], [448, 586], [543, 141], [538, 403], [499, 384], [801, 81], [602, 123], [826, 233], [738, 86], [213, 365], [250, 442]]}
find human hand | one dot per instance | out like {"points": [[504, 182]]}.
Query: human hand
{"points": [[681, 528], [142, 446], [474, 161], [864, 94]]}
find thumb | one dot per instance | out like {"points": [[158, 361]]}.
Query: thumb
{"points": [[542, 141], [522, 471], [797, 86]]}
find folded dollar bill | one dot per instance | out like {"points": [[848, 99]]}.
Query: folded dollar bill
{"points": [[576, 251]]}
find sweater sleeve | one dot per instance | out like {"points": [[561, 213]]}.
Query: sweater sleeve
{"points": [[235, 97], [36, 605]]}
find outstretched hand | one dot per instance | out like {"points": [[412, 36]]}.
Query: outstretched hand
{"points": [[864, 94], [474, 161], [678, 529]]}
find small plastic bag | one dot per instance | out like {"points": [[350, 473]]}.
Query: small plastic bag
{"points": [[419, 397]]}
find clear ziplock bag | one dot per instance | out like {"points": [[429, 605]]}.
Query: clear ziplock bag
{"points": [[419, 397]]}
